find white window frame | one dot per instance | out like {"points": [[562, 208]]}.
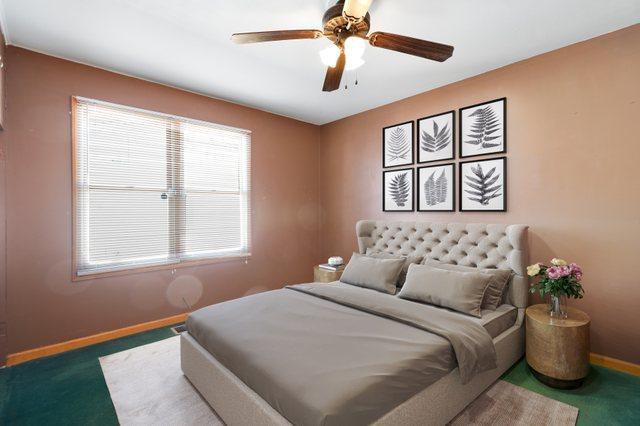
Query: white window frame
{"points": [[176, 193]]}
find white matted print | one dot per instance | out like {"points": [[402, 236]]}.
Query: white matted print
{"points": [[436, 188], [483, 185], [397, 190], [436, 136], [483, 128], [397, 145]]}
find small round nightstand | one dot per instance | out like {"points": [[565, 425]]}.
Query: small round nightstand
{"points": [[558, 350], [321, 275]]}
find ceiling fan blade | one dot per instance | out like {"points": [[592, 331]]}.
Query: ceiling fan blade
{"points": [[262, 36], [411, 46], [334, 75], [356, 9]]}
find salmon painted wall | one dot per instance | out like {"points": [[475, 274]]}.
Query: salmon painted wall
{"points": [[573, 154], [44, 305], [3, 252]]}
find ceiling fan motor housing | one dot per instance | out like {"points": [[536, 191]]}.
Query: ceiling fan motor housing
{"points": [[335, 24]]}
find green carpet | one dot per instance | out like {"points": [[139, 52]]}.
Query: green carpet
{"points": [[69, 389], [607, 397], [65, 389]]}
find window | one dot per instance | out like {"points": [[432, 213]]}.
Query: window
{"points": [[152, 189]]}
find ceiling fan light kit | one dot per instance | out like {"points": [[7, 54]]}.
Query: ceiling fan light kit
{"points": [[354, 47], [329, 56], [346, 24]]}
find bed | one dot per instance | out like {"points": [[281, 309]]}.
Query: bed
{"points": [[340, 354]]}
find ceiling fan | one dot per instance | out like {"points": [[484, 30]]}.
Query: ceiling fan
{"points": [[347, 24]]}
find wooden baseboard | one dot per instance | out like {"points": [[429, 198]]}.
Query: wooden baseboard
{"points": [[31, 354], [614, 364]]}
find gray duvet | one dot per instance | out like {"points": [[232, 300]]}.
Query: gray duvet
{"points": [[338, 354]]}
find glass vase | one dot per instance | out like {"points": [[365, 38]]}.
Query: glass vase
{"points": [[558, 307]]}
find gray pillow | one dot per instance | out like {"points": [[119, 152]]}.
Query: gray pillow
{"points": [[499, 280], [409, 259], [460, 291], [376, 274]]}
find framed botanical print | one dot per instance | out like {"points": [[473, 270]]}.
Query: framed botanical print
{"points": [[397, 145], [483, 128], [436, 137], [483, 185], [397, 190], [435, 188]]}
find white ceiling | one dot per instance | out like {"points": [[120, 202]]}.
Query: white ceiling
{"points": [[186, 44]]}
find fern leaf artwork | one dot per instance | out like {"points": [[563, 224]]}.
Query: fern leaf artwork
{"points": [[483, 186], [398, 145], [437, 141], [485, 128], [435, 190], [399, 189]]}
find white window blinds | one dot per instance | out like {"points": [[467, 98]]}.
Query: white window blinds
{"points": [[154, 189]]}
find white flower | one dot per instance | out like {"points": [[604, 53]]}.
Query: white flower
{"points": [[533, 270], [558, 262]]}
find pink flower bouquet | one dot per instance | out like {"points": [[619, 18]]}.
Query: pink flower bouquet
{"points": [[559, 279]]}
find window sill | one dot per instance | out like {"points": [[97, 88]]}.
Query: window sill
{"points": [[179, 265]]}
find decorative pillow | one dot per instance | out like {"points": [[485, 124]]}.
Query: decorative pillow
{"points": [[409, 259], [499, 280], [460, 291], [376, 274]]}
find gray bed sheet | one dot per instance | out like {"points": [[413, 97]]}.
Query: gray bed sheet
{"points": [[498, 321], [338, 354]]}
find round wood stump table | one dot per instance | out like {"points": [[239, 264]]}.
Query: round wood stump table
{"points": [[557, 349]]}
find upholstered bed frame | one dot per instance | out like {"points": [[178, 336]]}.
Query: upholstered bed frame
{"points": [[475, 245]]}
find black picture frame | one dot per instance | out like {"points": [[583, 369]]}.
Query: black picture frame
{"points": [[411, 190], [504, 129], [453, 137], [419, 188], [461, 185], [411, 144]]}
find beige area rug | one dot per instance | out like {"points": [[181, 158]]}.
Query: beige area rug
{"points": [[507, 404], [147, 387]]}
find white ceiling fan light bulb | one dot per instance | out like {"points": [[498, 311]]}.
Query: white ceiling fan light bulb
{"points": [[354, 47], [329, 56], [356, 9], [353, 63]]}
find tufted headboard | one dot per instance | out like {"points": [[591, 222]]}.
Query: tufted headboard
{"points": [[469, 244]]}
